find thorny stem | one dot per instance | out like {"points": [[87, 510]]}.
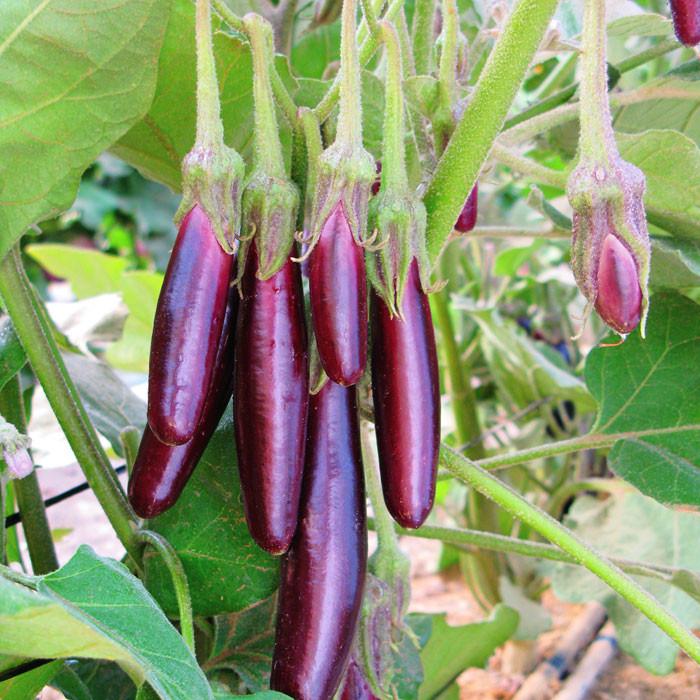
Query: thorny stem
{"points": [[596, 138], [561, 536], [394, 177], [27, 491], [268, 150], [179, 578], [520, 164], [448, 54], [422, 35], [34, 332], [457, 170], [370, 16], [349, 130], [314, 148], [210, 129]]}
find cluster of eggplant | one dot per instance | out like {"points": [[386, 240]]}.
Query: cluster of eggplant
{"points": [[299, 457]]}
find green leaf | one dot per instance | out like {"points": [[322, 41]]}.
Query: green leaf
{"points": [[646, 24], [508, 261], [28, 685], [227, 571], [95, 79], [671, 163], [95, 608], [12, 357], [243, 643], [633, 527], [315, 51], [451, 650], [522, 372], [89, 272], [87, 679], [110, 404], [652, 385], [267, 695], [423, 93], [680, 113], [675, 263]]}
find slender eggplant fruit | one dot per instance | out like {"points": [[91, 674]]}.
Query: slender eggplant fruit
{"points": [[324, 571], [406, 403], [338, 292], [271, 401], [187, 328], [686, 21], [161, 471], [466, 220], [355, 686]]}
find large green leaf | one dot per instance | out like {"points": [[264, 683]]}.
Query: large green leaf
{"points": [[671, 163], [227, 571], [315, 51], [93, 607], [76, 75], [675, 263], [243, 644], [451, 650], [631, 526], [652, 385], [88, 679]]}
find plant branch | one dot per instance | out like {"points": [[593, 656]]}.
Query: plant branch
{"points": [[29, 500], [566, 540], [527, 166], [179, 578], [422, 33], [466, 153], [34, 332]]}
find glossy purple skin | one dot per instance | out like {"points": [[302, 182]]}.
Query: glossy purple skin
{"points": [[323, 573], [271, 401], [186, 331], [355, 686], [686, 21], [406, 392], [619, 297], [338, 292], [466, 220], [161, 471]]}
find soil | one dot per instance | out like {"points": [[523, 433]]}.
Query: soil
{"points": [[431, 592]]}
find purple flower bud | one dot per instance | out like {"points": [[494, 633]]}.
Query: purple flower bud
{"points": [[610, 247], [466, 220], [619, 300], [19, 462]]}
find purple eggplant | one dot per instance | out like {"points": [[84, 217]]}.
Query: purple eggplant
{"points": [[355, 686], [406, 394], [323, 573], [186, 331], [466, 220], [271, 401], [160, 470], [686, 21], [338, 292]]}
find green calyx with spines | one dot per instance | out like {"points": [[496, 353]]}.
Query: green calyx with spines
{"points": [[212, 173], [270, 199], [396, 213]]}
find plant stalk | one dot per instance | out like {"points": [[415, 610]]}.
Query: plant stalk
{"points": [[34, 331]]}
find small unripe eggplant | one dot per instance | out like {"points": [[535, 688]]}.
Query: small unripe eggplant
{"points": [[186, 330], [161, 471], [686, 21], [323, 572], [338, 293], [271, 400], [466, 220], [619, 298], [406, 392]]}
